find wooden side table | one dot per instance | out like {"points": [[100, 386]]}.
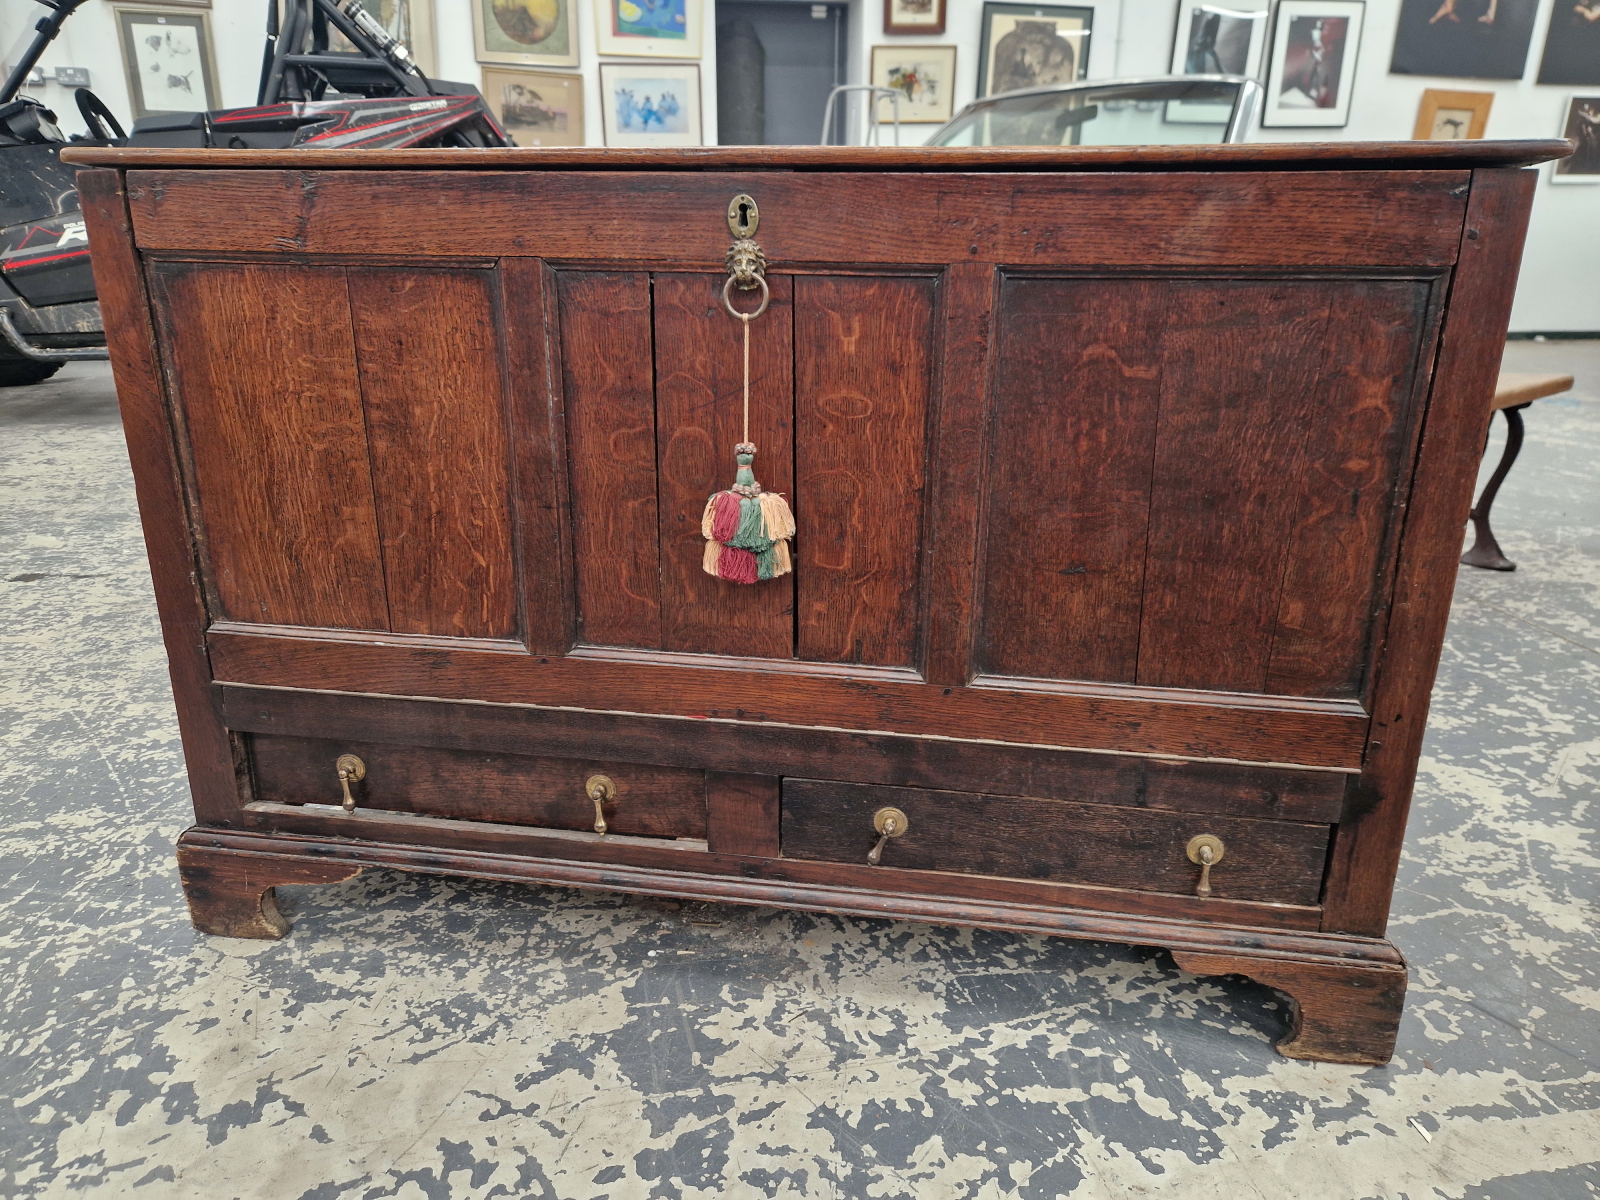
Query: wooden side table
{"points": [[1515, 391]]}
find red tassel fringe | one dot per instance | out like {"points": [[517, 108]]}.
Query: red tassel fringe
{"points": [[725, 521], [735, 565]]}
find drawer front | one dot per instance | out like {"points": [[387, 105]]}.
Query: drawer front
{"points": [[465, 785], [1143, 849]]}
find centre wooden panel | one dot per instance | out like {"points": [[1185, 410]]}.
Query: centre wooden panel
{"points": [[1214, 511]]}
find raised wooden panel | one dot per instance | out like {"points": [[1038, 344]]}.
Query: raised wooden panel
{"points": [[608, 377], [264, 372], [1215, 504], [436, 425], [1078, 370], [699, 393], [863, 374]]}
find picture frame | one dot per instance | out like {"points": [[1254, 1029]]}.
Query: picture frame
{"points": [[914, 16], [528, 33], [1464, 39], [168, 58], [1031, 45], [633, 96], [1445, 116], [410, 22], [631, 30], [1312, 70], [1582, 125], [536, 108], [1216, 39], [1572, 45], [924, 75]]}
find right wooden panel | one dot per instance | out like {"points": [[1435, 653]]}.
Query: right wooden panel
{"points": [[1213, 511]]}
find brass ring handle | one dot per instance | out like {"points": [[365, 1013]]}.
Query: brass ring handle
{"points": [[350, 769], [599, 788], [890, 823], [1207, 851], [727, 298]]}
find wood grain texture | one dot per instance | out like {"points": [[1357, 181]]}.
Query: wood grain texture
{"points": [[1300, 156], [1078, 382], [608, 377], [531, 362], [1259, 792], [471, 785], [1366, 852], [1339, 1012], [742, 814], [862, 387], [436, 427], [263, 364], [1232, 220], [153, 453], [966, 315], [1188, 726], [699, 400], [231, 895], [1278, 862]]}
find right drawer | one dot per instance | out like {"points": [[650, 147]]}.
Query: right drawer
{"points": [[1279, 862]]}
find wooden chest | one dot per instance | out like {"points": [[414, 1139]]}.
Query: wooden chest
{"points": [[1129, 488]]}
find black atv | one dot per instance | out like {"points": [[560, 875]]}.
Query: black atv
{"points": [[314, 92]]}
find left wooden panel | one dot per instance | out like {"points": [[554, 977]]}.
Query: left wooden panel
{"points": [[264, 370]]}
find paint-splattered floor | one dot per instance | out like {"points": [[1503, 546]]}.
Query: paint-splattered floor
{"points": [[419, 1037]]}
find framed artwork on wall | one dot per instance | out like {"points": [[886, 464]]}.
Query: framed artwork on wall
{"points": [[537, 108], [1031, 45], [1452, 116], [168, 58], [1583, 127], [917, 16], [924, 76], [1313, 67], [409, 22], [1212, 39], [1572, 47], [650, 104], [1464, 39], [529, 33], [664, 29]]}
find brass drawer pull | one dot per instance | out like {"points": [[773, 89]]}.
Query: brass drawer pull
{"points": [[351, 769], [890, 823], [600, 789], [1207, 851]]}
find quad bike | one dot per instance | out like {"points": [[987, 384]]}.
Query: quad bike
{"points": [[331, 76]]}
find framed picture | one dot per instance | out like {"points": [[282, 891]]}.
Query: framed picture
{"points": [[169, 60], [409, 22], [917, 16], [1030, 45], [1583, 127], [648, 28], [1464, 39], [530, 33], [1452, 116], [1572, 47], [924, 76], [1214, 40], [1313, 66], [537, 108], [650, 104]]}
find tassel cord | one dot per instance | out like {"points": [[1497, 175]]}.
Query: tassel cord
{"points": [[744, 319]]}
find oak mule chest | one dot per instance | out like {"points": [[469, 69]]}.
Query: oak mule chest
{"points": [[1129, 487]]}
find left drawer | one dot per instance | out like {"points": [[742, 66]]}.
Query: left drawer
{"points": [[466, 785]]}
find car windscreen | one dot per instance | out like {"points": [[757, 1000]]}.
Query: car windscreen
{"points": [[1167, 113]]}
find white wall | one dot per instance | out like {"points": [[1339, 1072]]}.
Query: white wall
{"points": [[1560, 287]]}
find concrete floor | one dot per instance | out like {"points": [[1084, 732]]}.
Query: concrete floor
{"points": [[418, 1037]]}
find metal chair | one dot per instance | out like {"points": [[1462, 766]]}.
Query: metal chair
{"points": [[870, 136]]}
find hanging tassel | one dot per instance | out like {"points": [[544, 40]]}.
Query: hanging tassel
{"points": [[747, 529]]}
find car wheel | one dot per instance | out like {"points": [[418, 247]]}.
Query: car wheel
{"points": [[18, 372]]}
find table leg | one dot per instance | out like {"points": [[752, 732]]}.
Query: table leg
{"points": [[1485, 550]]}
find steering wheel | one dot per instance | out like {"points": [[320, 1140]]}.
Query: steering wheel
{"points": [[92, 109]]}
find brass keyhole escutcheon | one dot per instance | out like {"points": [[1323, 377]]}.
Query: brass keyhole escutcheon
{"points": [[351, 770], [599, 788], [890, 823], [1207, 851], [743, 216]]}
